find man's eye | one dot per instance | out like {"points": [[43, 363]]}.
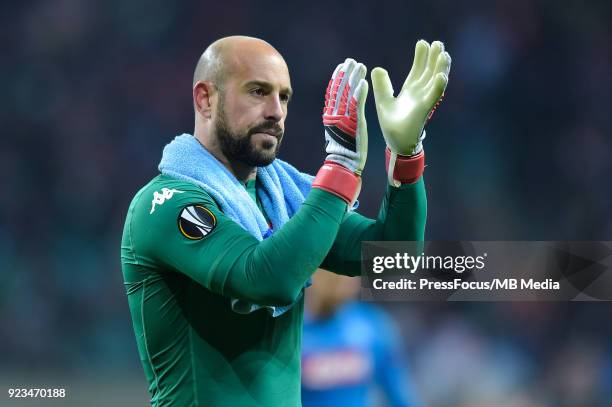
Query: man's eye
{"points": [[258, 92], [284, 98]]}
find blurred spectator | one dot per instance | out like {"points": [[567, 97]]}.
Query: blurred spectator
{"points": [[350, 349]]}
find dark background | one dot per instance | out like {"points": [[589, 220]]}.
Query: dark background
{"points": [[518, 150]]}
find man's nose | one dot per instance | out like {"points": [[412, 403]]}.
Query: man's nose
{"points": [[274, 108]]}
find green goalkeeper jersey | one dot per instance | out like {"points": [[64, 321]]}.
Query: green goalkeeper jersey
{"points": [[183, 260]]}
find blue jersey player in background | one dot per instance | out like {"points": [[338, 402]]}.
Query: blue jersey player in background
{"points": [[351, 351]]}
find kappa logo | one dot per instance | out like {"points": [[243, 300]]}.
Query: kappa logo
{"points": [[159, 199]]}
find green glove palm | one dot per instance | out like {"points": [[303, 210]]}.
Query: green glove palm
{"points": [[403, 118]]}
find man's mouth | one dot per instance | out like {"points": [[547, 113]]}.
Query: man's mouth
{"points": [[269, 133], [274, 132]]}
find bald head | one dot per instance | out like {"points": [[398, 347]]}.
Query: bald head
{"points": [[241, 90], [227, 55]]}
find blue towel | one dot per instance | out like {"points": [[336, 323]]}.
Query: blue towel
{"points": [[282, 189]]}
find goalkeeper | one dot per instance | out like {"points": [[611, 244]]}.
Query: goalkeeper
{"points": [[218, 248]]}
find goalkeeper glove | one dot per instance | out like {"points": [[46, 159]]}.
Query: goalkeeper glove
{"points": [[346, 133], [402, 119]]}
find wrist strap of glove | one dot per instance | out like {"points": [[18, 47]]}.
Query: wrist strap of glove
{"points": [[338, 180], [403, 169]]}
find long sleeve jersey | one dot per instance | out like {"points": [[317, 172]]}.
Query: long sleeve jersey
{"points": [[182, 261]]}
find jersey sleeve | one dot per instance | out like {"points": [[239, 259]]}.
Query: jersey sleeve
{"points": [[401, 217], [188, 234]]}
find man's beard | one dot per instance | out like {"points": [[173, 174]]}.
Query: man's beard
{"points": [[238, 147]]}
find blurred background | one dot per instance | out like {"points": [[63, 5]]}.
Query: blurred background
{"points": [[518, 150]]}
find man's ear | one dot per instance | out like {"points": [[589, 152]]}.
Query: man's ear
{"points": [[202, 98]]}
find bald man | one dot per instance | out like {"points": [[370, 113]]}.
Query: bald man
{"points": [[230, 69], [218, 249]]}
